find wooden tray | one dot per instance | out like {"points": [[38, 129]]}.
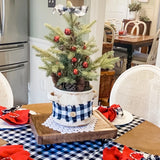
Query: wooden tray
{"points": [[44, 135]]}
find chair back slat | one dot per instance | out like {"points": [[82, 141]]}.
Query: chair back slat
{"points": [[108, 38], [136, 27], [109, 34]]}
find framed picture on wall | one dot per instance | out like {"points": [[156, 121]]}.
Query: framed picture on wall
{"points": [[143, 0]]}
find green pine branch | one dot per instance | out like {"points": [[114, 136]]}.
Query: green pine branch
{"points": [[65, 80], [55, 30], [92, 75], [106, 61]]}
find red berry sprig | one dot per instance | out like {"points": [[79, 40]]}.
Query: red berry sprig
{"points": [[85, 64], [56, 38], [75, 71], [74, 59], [67, 31]]}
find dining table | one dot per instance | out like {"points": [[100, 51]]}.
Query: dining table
{"points": [[84, 150], [132, 42]]}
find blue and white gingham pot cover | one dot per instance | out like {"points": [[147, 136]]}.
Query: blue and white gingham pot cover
{"points": [[81, 112]]}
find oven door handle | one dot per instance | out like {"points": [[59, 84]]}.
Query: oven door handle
{"points": [[11, 48], [12, 68]]}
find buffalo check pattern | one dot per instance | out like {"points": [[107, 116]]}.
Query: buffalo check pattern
{"points": [[82, 112], [86, 150]]}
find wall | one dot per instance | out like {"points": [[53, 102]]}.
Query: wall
{"points": [[116, 10], [40, 85], [40, 14], [151, 10], [97, 12]]}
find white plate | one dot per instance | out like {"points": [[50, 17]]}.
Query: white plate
{"points": [[126, 118], [4, 124]]}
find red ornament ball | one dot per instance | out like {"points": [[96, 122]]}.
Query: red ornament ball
{"points": [[59, 73], [73, 48], [84, 47], [74, 59], [56, 38], [75, 71], [85, 64], [67, 31]]}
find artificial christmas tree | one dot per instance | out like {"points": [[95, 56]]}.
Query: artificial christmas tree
{"points": [[68, 60]]}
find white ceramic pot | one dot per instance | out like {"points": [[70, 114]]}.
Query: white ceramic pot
{"points": [[132, 15], [72, 108]]}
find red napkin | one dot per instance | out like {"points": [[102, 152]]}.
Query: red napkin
{"points": [[111, 154], [130, 154], [114, 154], [17, 117], [115, 106], [2, 108], [14, 152], [109, 113]]}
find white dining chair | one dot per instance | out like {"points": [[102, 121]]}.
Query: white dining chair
{"points": [[109, 34], [108, 38], [6, 95], [142, 58], [137, 90], [136, 27]]}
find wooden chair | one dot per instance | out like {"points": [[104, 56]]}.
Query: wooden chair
{"points": [[137, 90], [6, 96], [134, 30], [106, 83]]}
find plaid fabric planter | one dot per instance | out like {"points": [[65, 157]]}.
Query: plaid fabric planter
{"points": [[72, 113]]}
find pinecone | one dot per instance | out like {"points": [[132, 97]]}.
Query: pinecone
{"points": [[83, 85], [54, 78], [70, 87], [87, 86]]}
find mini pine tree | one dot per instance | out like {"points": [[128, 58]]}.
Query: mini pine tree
{"points": [[68, 59]]}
